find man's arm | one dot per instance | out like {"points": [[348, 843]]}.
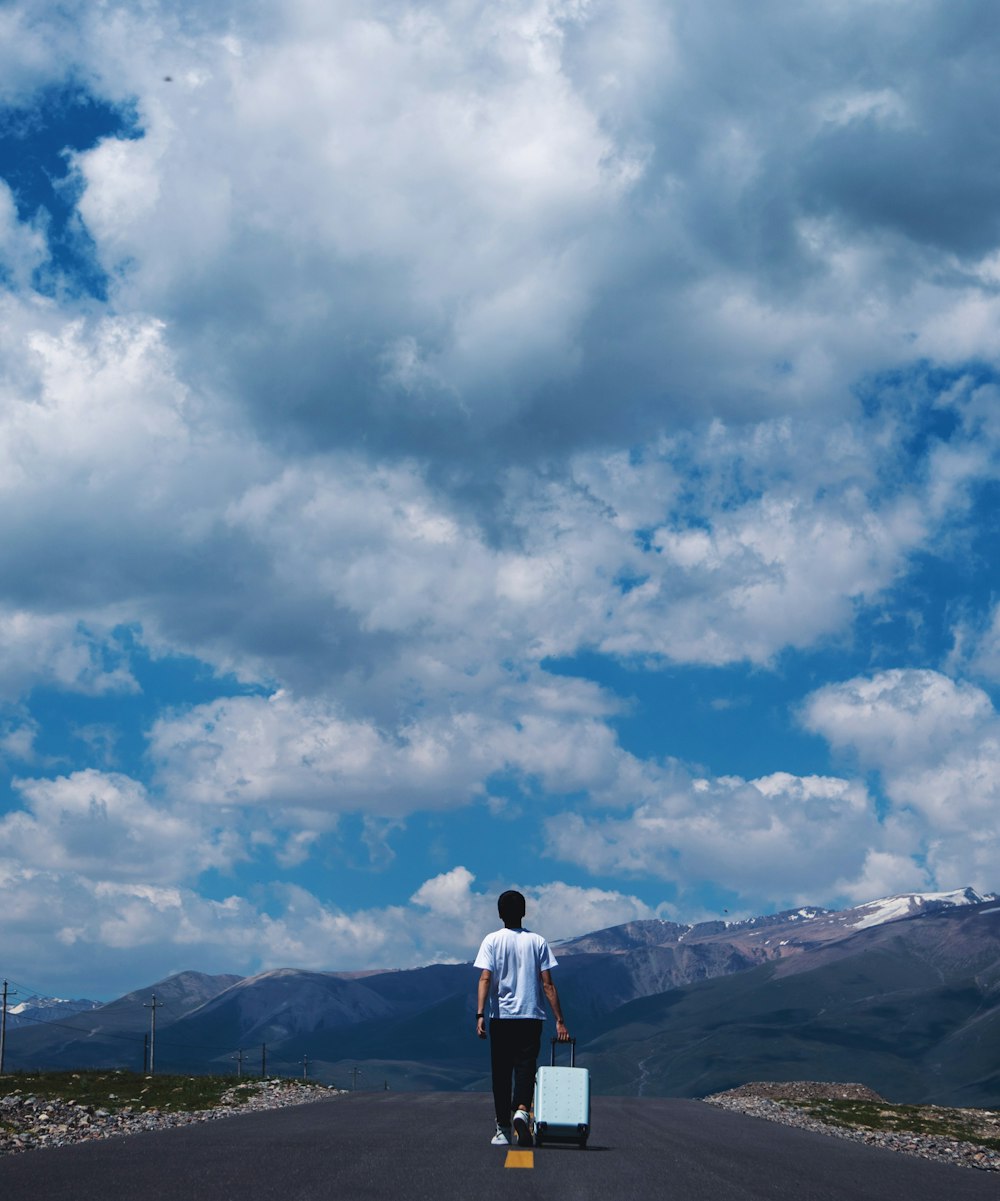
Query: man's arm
{"points": [[482, 993], [553, 998]]}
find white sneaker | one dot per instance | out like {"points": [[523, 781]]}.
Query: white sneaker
{"points": [[522, 1128], [502, 1136]]}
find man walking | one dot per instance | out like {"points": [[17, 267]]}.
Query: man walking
{"points": [[516, 970]]}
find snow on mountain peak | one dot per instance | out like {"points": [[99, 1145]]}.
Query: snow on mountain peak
{"points": [[890, 909], [36, 1010]]}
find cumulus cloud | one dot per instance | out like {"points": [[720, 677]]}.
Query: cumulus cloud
{"points": [[126, 934], [23, 248], [304, 755], [278, 566], [87, 936], [445, 340], [469, 195], [936, 744], [779, 835], [414, 638], [482, 143], [712, 547], [17, 739], [100, 824], [885, 873], [563, 910], [976, 649], [59, 652], [899, 717]]}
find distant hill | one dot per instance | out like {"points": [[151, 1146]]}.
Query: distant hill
{"points": [[112, 1035], [910, 1008], [768, 937], [34, 1010], [902, 994]]}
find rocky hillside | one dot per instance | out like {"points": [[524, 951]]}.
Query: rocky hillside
{"points": [[903, 993]]}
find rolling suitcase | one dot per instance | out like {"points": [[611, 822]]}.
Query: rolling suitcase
{"points": [[562, 1102]]}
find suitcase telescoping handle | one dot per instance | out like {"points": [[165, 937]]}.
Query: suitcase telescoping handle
{"points": [[572, 1052]]}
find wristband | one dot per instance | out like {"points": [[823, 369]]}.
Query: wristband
{"points": [[480, 1015]]}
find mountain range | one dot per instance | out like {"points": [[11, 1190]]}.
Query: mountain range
{"points": [[35, 1009], [902, 994]]}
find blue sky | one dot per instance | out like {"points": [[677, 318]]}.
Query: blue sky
{"points": [[448, 447]]}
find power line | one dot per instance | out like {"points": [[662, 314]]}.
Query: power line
{"points": [[89, 1031], [82, 1030], [32, 990], [69, 1023]]}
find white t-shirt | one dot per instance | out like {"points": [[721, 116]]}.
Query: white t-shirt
{"points": [[515, 958]]}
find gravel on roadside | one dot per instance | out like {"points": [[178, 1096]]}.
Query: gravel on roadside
{"points": [[28, 1122], [778, 1103]]}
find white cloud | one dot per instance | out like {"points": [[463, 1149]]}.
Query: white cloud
{"points": [[444, 921], [565, 910], [23, 247], [93, 823], [73, 933], [779, 571], [976, 650], [447, 894], [483, 189], [884, 874], [779, 836], [17, 739], [411, 637], [446, 338], [899, 717], [936, 743], [304, 757], [122, 934], [364, 585], [556, 910], [482, 144], [59, 652], [125, 445]]}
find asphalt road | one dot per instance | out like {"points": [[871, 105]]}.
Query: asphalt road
{"points": [[435, 1146]]}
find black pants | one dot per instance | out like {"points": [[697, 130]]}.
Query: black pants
{"points": [[514, 1046]]}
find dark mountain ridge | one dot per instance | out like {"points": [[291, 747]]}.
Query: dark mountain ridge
{"points": [[36, 1010], [911, 1008], [901, 993], [112, 1035]]}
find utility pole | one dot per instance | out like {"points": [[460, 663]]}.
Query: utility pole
{"points": [[3, 1024], [356, 1072], [239, 1063], [305, 1067], [153, 1006], [263, 1060]]}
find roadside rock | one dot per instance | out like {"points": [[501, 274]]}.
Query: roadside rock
{"points": [[775, 1102], [26, 1123], [802, 1090]]}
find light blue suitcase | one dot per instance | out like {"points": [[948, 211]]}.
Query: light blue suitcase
{"points": [[562, 1102]]}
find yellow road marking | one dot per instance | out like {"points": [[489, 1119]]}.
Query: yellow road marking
{"points": [[520, 1159]]}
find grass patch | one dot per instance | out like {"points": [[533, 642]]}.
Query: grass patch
{"points": [[127, 1090], [979, 1126]]}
